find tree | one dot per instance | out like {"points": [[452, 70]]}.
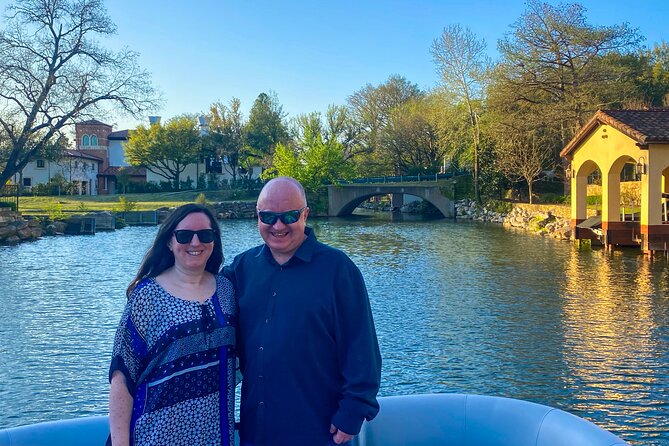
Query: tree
{"points": [[225, 136], [53, 72], [313, 161], [123, 179], [411, 139], [523, 156], [165, 150], [551, 71], [340, 126], [463, 65], [265, 127], [370, 107], [647, 72]]}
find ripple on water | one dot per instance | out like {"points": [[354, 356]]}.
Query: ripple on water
{"points": [[458, 307]]}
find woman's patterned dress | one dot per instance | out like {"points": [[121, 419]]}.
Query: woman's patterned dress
{"points": [[178, 360]]}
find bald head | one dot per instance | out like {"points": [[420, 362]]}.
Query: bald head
{"points": [[281, 189]]}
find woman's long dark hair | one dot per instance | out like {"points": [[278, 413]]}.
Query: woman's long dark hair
{"points": [[159, 257]]}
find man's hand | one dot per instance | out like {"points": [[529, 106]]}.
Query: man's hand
{"points": [[339, 436]]}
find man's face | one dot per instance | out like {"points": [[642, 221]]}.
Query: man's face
{"points": [[282, 239]]}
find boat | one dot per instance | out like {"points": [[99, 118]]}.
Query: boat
{"points": [[407, 420]]}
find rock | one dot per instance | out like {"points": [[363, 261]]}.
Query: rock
{"points": [[7, 231]]}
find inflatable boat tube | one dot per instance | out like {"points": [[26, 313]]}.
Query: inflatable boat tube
{"points": [[410, 420]]}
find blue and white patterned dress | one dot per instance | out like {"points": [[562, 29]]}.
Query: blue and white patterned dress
{"points": [[178, 360]]}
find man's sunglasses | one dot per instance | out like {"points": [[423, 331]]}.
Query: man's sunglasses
{"points": [[184, 236], [287, 218]]}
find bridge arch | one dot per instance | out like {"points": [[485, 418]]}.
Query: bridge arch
{"points": [[343, 199]]}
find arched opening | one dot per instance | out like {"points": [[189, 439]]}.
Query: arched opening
{"points": [[588, 190], [624, 190]]}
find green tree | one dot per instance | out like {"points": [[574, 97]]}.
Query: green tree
{"points": [[646, 72], [264, 129], [225, 136], [165, 150], [370, 107], [54, 73], [411, 137], [463, 65], [551, 72], [313, 161], [123, 179]]}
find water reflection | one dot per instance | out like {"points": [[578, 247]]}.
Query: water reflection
{"points": [[610, 323], [459, 307]]}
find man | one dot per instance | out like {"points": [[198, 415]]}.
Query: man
{"points": [[307, 345]]}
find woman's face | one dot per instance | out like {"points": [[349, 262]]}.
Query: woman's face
{"points": [[194, 254]]}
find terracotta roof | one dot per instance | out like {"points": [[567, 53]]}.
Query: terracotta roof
{"points": [[643, 126], [80, 154], [93, 122], [119, 134], [133, 171]]}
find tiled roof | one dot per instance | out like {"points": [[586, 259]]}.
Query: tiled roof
{"points": [[80, 154], [93, 122], [133, 171], [643, 126], [119, 134]]}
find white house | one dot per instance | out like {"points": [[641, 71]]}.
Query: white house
{"points": [[77, 167], [98, 161]]}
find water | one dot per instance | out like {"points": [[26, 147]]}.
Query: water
{"points": [[459, 307]]}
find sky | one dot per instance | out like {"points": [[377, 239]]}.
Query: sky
{"points": [[314, 53]]}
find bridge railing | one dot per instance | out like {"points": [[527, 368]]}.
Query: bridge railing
{"points": [[402, 178]]}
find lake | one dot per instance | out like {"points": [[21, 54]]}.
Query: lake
{"points": [[459, 307]]}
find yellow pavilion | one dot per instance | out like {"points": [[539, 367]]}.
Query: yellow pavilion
{"points": [[610, 141]]}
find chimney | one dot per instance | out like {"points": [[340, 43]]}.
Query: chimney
{"points": [[204, 127], [154, 120]]}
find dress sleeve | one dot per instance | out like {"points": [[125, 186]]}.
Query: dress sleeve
{"points": [[357, 349], [130, 349]]}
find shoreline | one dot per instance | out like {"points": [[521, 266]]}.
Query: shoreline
{"points": [[541, 219]]}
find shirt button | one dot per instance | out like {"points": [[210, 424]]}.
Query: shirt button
{"points": [[261, 404], [267, 321], [274, 293], [260, 348]]}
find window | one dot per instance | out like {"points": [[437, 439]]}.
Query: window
{"points": [[93, 167], [85, 140], [76, 164], [27, 182], [40, 164], [94, 140]]}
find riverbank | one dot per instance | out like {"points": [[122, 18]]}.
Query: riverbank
{"points": [[16, 228], [546, 220]]}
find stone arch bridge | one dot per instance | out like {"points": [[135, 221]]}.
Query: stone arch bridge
{"points": [[344, 198]]}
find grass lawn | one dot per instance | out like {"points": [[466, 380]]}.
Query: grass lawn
{"points": [[143, 202]]}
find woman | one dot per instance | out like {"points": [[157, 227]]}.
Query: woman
{"points": [[172, 368]]}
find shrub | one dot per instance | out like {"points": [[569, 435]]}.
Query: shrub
{"points": [[119, 223], [551, 198], [125, 205], [54, 210], [201, 199], [594, 200], [501, 207]]}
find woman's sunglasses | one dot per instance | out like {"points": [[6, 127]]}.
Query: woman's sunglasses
{"points": [[287, 218], [184, 236]]}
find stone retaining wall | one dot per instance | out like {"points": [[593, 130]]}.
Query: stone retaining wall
{"points": [[14, 228], [552, 220]]}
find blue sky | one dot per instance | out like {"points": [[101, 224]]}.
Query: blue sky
{"points": [[314, 53]]}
